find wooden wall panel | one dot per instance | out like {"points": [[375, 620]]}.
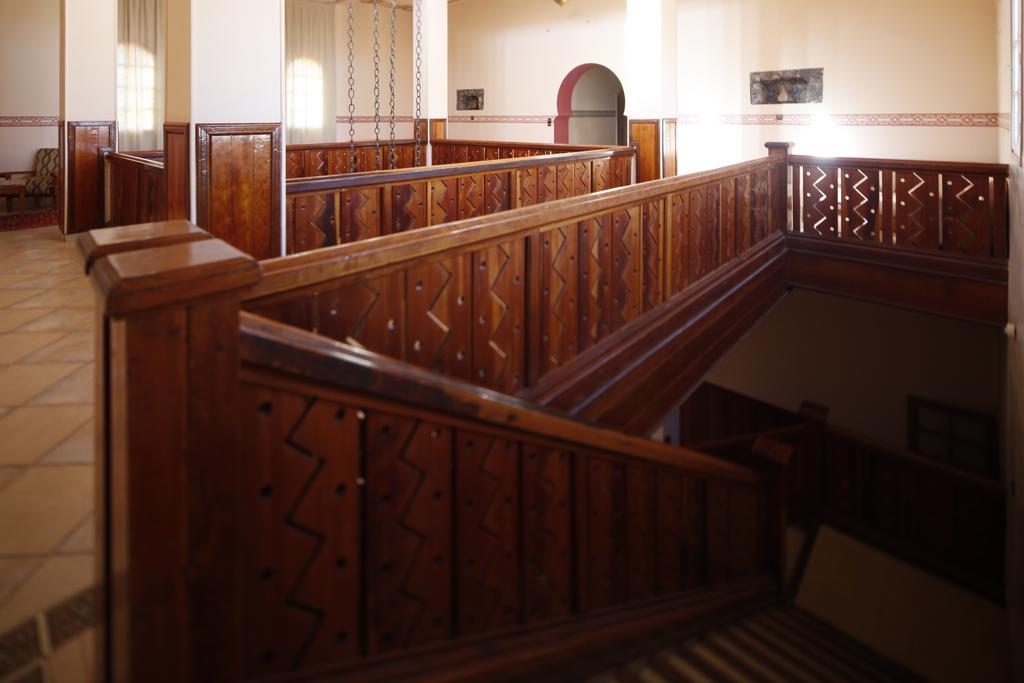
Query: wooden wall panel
{"points": [[438, 129], [84, 166], [177, 170], [645, 136], [668, 148], [238, 185]]}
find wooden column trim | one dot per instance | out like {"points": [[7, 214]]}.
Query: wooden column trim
{"points": [[780, 219], [177, 170], [237, 212], [648, 148], [84, 168]]}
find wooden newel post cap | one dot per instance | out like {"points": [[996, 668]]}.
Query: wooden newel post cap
{"points": [[96, 244], [167, 276], [778, 148]]}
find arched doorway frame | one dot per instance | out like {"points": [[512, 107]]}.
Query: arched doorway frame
{"points": [[565, 91]]}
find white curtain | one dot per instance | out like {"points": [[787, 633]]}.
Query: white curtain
{"points": [[309, 71], [140, 74]]}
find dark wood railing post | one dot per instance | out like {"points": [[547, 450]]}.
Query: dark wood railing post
{"points": [[775, 457], [780, 185], [167, 450]]}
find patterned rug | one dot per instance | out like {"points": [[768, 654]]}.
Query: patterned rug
{"points": [[30, 219]]}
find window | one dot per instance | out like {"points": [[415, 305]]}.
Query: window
{"points": [[136, 88], [305, 96], [954, 436]]}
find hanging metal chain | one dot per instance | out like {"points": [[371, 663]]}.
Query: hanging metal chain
{"points": [[351, 93], [376, 82], [392, 156], [419, 84]]}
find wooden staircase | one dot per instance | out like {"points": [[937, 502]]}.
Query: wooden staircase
{"points": [[781, 645]]}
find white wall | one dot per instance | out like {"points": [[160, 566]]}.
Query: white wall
{"points": [[879, 57], [862, 360], [239, 44], [519, 53], [29, 78], [363, 61]]}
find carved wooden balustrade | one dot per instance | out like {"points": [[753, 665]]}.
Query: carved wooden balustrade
{"points": [[955, 208], [135, 188], [332, 158], [504, 300], [347, 208], [291, 505], [450, 151]]}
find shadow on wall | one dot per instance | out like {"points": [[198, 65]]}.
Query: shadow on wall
{"points": [[591, 107]]}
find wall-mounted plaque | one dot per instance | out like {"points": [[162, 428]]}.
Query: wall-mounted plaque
{"points": [[469, 100], [795, 86]]}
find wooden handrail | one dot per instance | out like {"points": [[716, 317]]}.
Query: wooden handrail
{"points": [[342, 144], [902, 164], [353, 180], [313, 358], [136, 160]]}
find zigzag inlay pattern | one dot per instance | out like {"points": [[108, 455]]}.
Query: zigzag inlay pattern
{"points": [[488, 540]]}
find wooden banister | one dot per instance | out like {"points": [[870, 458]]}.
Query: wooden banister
{"points": [[504, 300], [276, 503], [314, 358], [948, 521]]}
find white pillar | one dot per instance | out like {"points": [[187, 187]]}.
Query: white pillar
{"points": [[236, 105], [651, 69], [88, 106], [433, 16]]}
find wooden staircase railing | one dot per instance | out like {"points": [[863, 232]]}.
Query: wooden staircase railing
{"points": [[273, 502], [949, 522]]}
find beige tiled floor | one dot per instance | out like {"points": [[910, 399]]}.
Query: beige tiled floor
{"points": [[46, 447]]}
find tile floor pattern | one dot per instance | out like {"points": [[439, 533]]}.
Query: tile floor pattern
{"points": [[46, 459]]}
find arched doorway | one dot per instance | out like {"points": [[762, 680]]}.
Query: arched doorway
{"points": [[591, 107]]}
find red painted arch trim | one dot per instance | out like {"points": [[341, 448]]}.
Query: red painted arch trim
{"points": [[565, 101]]}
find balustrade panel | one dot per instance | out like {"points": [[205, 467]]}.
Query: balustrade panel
{"points": [[959, 209]]}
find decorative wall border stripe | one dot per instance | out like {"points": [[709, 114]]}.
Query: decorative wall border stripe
{"points": [[542, 118], [28, 121], [881, 120], [884, 120], [370, 119], [1004, 121]]}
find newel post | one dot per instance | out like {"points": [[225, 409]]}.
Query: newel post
{"points": [[167, 457], [779, 180]]}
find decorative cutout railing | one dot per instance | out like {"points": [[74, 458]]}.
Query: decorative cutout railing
{"points": [[956, 208], [339, 209], [503, 300]]}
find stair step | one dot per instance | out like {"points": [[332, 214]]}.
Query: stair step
{"points": [[783, 645]]}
